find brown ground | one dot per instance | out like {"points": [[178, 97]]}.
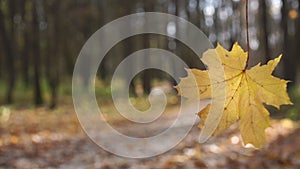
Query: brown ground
{"points": [[40, 138]]}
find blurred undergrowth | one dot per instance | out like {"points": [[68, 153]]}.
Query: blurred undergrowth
{"points": [[24, 95]]}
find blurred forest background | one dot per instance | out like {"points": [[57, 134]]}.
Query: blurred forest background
{"points": [[39, 44], [41, 39]]}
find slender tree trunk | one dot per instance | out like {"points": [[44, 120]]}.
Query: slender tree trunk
{"points": [[297, 76], [26, 48], [290, 47], [147, 74], [1, 60], [26, 58], [8, 50], [54, 50], [36, 55], [265, 29]]}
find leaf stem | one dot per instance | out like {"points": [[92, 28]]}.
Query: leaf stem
{"points": [[247, 32]]}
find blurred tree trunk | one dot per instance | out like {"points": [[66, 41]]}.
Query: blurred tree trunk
{"points": [[36, 55], [103, 18], [290, 45], [147, 76], [177, 43], [1, 60], [298, 42], [54, 49], [8, 42], [26, 47], [129, 46], [265, 29]]}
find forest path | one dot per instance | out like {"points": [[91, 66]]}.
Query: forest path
{"points": [[41, 138]]}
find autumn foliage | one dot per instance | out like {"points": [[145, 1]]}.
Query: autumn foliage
{"points": [[247, 90]]}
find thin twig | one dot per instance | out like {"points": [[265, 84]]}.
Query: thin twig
{"points": [[247, 32]]}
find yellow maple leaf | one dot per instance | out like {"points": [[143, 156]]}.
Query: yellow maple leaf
{"points": [[246, 91]]}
